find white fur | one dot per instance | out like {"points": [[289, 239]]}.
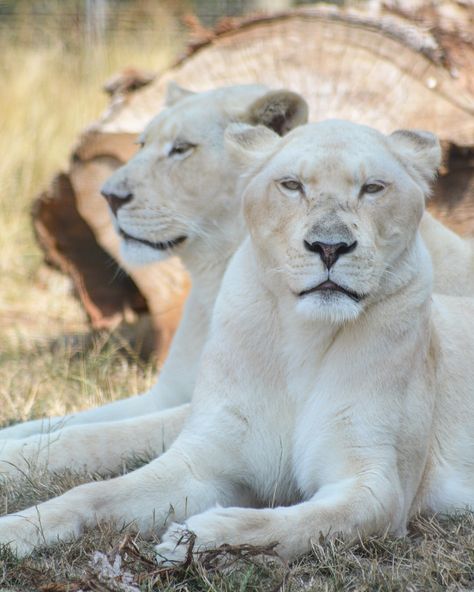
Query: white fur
{"points": [[192, 194], [335, 425]]}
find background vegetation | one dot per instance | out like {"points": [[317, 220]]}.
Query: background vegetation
{"points": [[53, 63], [52, 69]]}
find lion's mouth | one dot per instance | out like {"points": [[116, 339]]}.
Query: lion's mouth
{"points": [[159, 245], [330, 286]]}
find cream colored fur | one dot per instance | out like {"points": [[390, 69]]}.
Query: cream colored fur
{"points": [[452, 258], [340, 411], [183, 184], [166, 202]]}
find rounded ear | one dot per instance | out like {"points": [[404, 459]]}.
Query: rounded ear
{"points": [[419, 149], [279, 110], [175, 93], [248, 144]]}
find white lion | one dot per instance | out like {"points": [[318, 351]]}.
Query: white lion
{"points": [[177, 196], [189, 193], [334, 388]]}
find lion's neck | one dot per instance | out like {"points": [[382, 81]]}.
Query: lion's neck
{"points": [[176, 381], [406, 288], [206, 278], [207, 260]]}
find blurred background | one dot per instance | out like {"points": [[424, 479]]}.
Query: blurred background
{"points": [[55, 56]]}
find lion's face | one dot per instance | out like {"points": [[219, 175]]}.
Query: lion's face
{"points": [[333, 209], [177, 194]]}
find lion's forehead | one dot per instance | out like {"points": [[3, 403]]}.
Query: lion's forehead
{"points": [[338, 151], [169, 125], [202, 114]]}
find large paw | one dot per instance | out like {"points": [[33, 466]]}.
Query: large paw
{"points": [[21, 456], [12, 458], [175, 546], [210, 530], [19, 534]]}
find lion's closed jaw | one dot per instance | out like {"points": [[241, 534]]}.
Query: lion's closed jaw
{"points": [[159, 245], [330, 287]]}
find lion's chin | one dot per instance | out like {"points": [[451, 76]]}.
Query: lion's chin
{"points": [[137, 252], [155, 245], [328, 307], [137, 255]]}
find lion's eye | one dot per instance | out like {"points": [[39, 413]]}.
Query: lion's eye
{"points": [[181, 148], [372, 187], [291, 184]]}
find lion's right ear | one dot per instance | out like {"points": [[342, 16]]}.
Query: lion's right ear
{"points": [[175, 93], [248, 144], [279, 110], [420, 150]]}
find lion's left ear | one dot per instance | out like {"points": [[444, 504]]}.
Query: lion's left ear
{"points": [[419, 149], [279, 110], [175, 93]]}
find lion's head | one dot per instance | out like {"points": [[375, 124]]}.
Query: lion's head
{"points": [[177, 194], [333, 210]]}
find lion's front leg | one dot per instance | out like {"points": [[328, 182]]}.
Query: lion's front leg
{"points": [[94, 447], [349, 509], [121, 409], [173, 487]]}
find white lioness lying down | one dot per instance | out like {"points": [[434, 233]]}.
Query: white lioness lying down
{"points": [[345, 383], [177, 196], [183, 185]]}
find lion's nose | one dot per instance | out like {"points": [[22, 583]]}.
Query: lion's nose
{"points": [[329, 253], [116, 199]]}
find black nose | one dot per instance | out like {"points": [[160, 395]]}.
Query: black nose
{"points": [[116, 200], [329, 253]]}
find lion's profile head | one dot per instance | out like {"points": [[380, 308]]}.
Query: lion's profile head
{"points": [[177, 194], [333, 209]]}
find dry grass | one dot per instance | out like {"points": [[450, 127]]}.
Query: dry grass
{"points": [[438, 555], [49, 94]]}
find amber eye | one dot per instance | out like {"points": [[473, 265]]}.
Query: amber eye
{"points": [[181, 148], [372, 188], [291, 184]]}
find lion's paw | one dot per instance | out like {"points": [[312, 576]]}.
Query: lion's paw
{"points": [[205, 531], [184, 541], [14, 533], [175, 545], [12, 462]]}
